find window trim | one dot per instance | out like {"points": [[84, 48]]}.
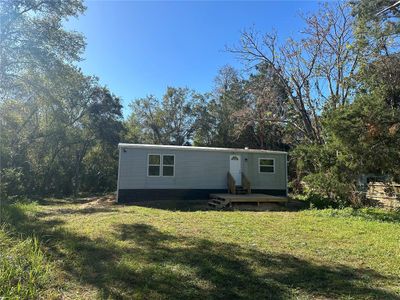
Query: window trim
{"points": [[162, 164], [259, 165], [148, 164]]}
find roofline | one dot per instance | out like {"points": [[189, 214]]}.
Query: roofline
{"points": [[195, 148]]}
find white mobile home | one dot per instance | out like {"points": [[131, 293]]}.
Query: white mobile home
{"points": [[160, 172]]}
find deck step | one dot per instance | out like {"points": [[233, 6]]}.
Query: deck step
{"points": [[218, 203], [240, 190], [215, 202]]}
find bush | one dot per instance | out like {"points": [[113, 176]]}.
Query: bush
{"points": [[316, 201], [11, 183], [328, 188], [327, 175]]}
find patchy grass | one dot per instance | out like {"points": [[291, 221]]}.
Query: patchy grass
{"points": [[24, 270], [155, 252]]}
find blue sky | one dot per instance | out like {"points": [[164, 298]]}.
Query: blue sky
{"points": [[140, 48]]}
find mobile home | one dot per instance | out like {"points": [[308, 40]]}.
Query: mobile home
{"points": [[161, 172]]}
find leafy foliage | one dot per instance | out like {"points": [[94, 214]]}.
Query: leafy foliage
{"points": [[170, 121], [51, 114]]}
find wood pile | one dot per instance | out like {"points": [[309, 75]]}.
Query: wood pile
{"points": [[384, 194]]}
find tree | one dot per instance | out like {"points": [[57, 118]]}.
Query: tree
{"points": [[321, 58], [369, 128], [377, 28], [264, 113], [170, 121], [32, 38], [178, 114], [103, 129], [361, 137], [227, 98], [54, 119]]}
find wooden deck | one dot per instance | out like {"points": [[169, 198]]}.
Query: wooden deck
{"points": [[254, 198]]}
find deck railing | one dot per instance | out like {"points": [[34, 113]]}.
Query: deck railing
{"points": [[246, 183], [231, 184]]}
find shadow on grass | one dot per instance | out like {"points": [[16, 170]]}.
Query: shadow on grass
{"points": [[173, 205], [61, 201], [80, 211], [392, 216], [367, 214], [140, 261], [202, 205]]}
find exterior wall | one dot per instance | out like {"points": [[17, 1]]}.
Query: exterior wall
{"points": [[276, 180], [197, 172], [193, 170]]}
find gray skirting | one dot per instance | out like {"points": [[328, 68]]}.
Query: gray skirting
{"points": [[134, 195]]}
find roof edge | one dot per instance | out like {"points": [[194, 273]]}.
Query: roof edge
{"points": [[195, 148]]}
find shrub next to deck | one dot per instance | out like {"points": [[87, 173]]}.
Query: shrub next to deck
{"points": [[160, 172]]}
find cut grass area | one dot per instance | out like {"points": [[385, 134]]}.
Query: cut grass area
{"points": [[125, 252]]}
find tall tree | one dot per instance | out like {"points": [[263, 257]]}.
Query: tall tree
{"points": [[377, 28], [170, 121], [323, 57], [32, 38], [264, 113], [227, 98], [52, 116]]}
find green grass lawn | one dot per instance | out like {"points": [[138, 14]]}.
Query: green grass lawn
{"points": [[85, 251]]}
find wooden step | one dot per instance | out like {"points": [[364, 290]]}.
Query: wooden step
{"points": [[215, 202], [218, 203], [240, 190]]}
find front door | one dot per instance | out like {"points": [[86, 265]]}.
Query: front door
{"points": [[235, 169]]}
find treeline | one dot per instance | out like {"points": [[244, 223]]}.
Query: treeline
{"points": [[59, 128], [331, 98]]}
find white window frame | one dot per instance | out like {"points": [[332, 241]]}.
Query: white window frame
{"points": [[259, 165], [162, 164], [148, 164]]}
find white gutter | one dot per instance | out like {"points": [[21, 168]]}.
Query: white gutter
{"points": [[194, 148]]}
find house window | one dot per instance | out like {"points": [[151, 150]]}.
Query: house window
{"points": [[154, 165], [161, 165], [266, 165], [168, 165]]}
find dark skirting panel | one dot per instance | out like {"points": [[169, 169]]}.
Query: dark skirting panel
{"points": [[133, 195]]}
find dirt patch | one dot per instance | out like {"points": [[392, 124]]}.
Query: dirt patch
{"points": [[99, 201]]}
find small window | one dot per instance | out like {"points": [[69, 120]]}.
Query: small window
{"points": [[266, 165], [168, 165], [154, 165]]}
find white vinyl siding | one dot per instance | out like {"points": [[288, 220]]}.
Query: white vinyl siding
{"points": [[196, 169]]}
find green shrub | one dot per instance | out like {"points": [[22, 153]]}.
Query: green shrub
{"points": [[326, 187], [316, 200], [11, 183], [326, 175]]}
